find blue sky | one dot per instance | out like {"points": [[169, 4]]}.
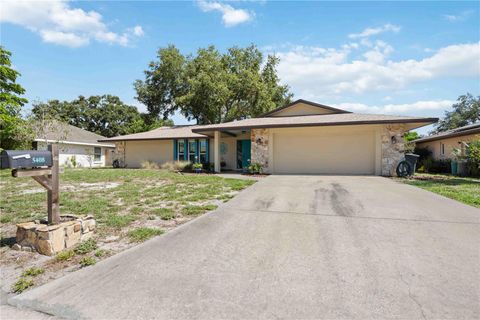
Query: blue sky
{"points": [[409, 58]]}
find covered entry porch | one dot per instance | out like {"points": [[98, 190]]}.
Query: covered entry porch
{"points": [[226, 150]]}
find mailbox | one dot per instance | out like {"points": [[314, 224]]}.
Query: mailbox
{"points": [[23, 159]]}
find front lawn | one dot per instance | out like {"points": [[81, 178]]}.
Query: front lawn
{"points": [[466, 190], [130, 206]]}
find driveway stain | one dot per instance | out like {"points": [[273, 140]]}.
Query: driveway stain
{"points": [[264, 204], [340, 200]]}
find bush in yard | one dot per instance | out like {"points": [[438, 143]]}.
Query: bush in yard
{"points": [[147, 164], [197, 166], [86, 247], [473, 158], [255, 168], [143, 234], [437, 166], [175, 165], [87, 261], [65, 255], [33, 272], [424, 154], [22, 284]]}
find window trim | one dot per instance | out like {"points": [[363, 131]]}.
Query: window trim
{"points": [[178, 149], [95, 154]]}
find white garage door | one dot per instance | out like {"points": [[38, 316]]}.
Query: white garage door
{"points": [[324, 150]]}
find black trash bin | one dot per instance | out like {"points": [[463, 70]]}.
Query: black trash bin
{"points": [[412, 158]]}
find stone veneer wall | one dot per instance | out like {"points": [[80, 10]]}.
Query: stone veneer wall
{"points": [[392, 148], [259, 138], [51, 239]]}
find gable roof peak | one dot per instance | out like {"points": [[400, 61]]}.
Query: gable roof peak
{"points": [[307, 102]]}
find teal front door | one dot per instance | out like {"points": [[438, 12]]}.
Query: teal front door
{"points": [[243, 153]]}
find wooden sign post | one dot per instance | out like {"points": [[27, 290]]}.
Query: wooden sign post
{"points": [[49, 179], [53, 193]]}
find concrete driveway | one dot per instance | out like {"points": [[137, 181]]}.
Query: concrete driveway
{"points": [[333, 247]]}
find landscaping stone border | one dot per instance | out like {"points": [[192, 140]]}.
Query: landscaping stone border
{"points": [[51, 239]]}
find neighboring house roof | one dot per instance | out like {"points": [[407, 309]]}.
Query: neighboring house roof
{"points": [[314, 120], [313, 104], [162, 133], [457, 132], [65, 133]]}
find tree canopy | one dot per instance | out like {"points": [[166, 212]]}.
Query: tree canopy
{"points": [[465, 111], [106, 115], [212, 87], [11, 102]]}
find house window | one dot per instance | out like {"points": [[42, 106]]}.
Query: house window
{"points": [[192, 150], [203, 150], [97, 154], [181, 150], [442, 149]]}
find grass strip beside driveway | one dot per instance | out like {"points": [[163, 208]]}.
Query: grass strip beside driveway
{"points": [[466, 190]]}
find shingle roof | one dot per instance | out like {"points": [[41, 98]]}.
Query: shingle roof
{"points": [[175, 132], [313, 120], [314, 104], [58, 131], [457, 132]]}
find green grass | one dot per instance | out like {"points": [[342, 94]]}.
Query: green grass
{"points": [[32, 272], [22, 284], [143, 234], [87, 261], [193, 210], [138, 194], [86, 247], [65, 255], [164, 213], [466, 190], [101, 253]]}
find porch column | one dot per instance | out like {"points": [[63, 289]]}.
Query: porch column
{"points": [[216, 151]]}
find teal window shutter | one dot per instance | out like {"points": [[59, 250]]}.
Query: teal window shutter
{"points": [[197, 150], [175, 153], [207, 151]]}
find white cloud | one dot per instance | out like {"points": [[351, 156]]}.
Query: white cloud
{"points": [[57, 22], [311, 71], [230, 16], [428, 105], [375, 31], [458, 17]]}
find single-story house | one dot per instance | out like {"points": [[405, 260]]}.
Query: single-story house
{"points": [[77, 147], [303, 137], [442, 144]]}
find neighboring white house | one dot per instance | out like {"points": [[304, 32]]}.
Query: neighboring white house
{"points": [[77, 147]]}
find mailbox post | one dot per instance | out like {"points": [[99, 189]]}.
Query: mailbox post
{"points": [[43, 167], [53, 192]]}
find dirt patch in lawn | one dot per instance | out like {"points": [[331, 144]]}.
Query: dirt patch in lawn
{"points": [[130, 206]]}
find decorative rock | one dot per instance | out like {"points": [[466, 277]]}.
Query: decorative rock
{"points": [[72, 239], [27, 249], [86, 236], [45, 247], [52, 239], [111, 239], [260, 149]]}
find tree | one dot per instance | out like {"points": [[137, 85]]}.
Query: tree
{"points": [[12, 131], [466, 111], [163, 82], [106, 115], [212, 87], [411, 135]]}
